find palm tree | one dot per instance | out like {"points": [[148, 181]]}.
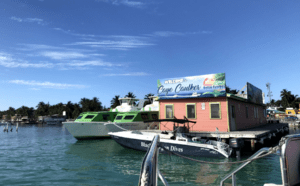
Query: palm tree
{"points": [[77, 111], [84, 102], [10, 112], [69, 109], [115, 102], [147, 97], [130, 95], [42, 109], [96, 105]]}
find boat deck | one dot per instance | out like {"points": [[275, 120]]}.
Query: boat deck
{"points": [[253, 133]]}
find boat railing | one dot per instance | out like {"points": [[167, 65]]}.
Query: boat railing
{"points": [[233, 173], [288, 150], [149, 170]]}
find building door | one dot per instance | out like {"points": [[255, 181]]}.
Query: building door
{"points": [[232, 118]]}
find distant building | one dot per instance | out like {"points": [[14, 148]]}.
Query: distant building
{"points": [[291, 111], [16, 118], [204, 99]]}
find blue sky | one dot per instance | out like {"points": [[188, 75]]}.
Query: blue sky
{"points": [[59, 51]]}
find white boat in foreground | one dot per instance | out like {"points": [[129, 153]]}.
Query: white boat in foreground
{"points": [[288, 149], [177, 141]]}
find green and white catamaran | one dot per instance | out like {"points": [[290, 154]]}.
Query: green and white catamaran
{"points": [[90, 125], [134, 120]]}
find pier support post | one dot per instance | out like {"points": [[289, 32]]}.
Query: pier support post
{"points": [[252, 144], [238, 153]]}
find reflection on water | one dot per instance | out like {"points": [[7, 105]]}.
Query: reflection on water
{"points": [[49, 155]]}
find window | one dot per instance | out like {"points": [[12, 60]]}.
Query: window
{"points": [[191, 110], [154, 116], [105, 116], [79, 117], [169, 111], [145, 116], [89, 116], [247, 115], [119, 117], [289, 112], [129, 117], [215, 110]]}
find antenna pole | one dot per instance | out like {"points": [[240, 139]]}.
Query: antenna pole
{"points": [[269, 92]]}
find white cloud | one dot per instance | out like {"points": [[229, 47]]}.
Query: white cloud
{"points": [[135, 4], [123, 44], [90, 63], [7, 61], [62, 55], [16, 19], [29, 20], [46, 84], [170, 33], [35, 89], [27, 47], [74, 34], [167, 33], [128, 74]]}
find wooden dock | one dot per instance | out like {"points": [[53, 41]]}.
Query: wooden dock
{"points": [[253, 133]]}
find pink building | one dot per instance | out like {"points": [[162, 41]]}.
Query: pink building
{"points": [[212, 109]]}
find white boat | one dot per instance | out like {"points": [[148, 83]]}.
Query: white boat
{"points": [[134, 120], [90, 125], [177, 141], [288, 150], [55, 120]]}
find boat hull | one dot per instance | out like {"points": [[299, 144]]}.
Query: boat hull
{"points": [[182, 149], [87, 130], [117, 127]]}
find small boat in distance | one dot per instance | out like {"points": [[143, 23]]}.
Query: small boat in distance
{"points": [[178, 141], [54, 120]]}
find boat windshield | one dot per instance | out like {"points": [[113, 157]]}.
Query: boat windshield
{"points": [[119, 117], [129, 117], [79, 117], [89, 116]]}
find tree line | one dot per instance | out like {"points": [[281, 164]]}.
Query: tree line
{"points": [[72, 109], [288, 100]]}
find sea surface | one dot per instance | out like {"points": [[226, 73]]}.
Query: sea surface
{"points": [[49, 155]]}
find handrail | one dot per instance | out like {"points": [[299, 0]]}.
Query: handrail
{"points": [[232, 174], [149, 170], [148, 175]]}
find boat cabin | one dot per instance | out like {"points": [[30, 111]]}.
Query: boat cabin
{"points": [[125, 117], [129, 104], [96, 116]]}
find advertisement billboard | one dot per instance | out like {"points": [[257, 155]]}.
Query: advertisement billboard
{"points": [[211, 85], [254, 94]]}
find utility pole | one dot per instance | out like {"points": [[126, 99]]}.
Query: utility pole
{"points": [[269, 92]]}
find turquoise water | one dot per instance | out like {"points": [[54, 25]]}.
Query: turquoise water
{"points": [[49, 155]]}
